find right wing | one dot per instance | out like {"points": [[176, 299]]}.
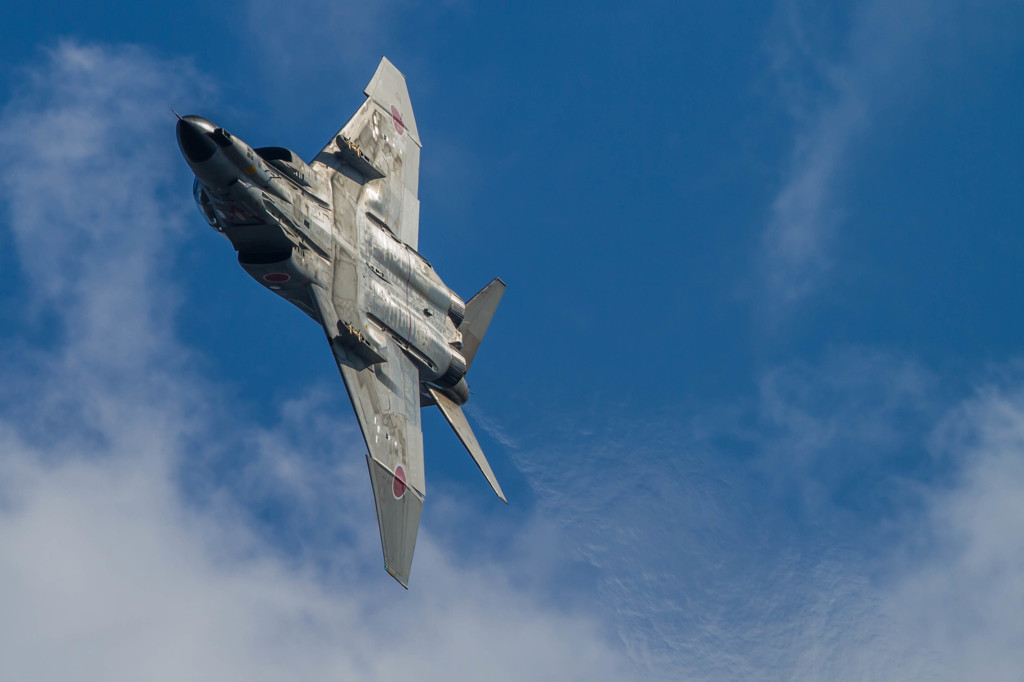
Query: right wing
{"points": [[381, 142]]}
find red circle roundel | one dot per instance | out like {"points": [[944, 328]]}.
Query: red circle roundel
{"points": [[396, 116], [277, 277], [398, 486]]}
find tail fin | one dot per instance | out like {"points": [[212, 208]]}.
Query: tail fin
{"points": [[479, 311], [457, 420]]}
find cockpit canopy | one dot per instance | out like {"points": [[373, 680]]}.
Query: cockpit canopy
{"points": [[289, 163]]}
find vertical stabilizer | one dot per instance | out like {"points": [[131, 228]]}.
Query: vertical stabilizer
{"points": [[455, 417], [479, 311]]}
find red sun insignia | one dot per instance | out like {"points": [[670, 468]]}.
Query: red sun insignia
{"points": [[398, 486], [277, 277], [396, 116]]}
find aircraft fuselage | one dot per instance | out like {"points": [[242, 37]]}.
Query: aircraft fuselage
{"points": [[302, 233]]}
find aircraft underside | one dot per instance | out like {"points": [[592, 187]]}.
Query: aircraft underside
{"points": [[338, 239]]}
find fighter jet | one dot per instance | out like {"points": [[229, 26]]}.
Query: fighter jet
{"points": [[337, 237]]}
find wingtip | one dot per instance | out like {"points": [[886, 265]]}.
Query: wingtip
{"points": [[493, 481], [403, 583]]}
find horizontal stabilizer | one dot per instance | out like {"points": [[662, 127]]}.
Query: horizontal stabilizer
{"points": [[479, 312], [455, 417]]}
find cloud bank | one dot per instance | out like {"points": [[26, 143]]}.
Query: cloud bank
{"points": [[853, 521]]}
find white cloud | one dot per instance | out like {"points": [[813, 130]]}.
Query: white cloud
{"points": [[858, 417], [833, 80], [854, 522], [106, 575], [959, 590], [131, 502], [924, 568]]}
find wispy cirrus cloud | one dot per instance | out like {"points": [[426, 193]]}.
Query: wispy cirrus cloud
{"points": [[148, 531], [846, 523], [836, 69]]}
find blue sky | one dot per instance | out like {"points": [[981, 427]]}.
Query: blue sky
{"points": [[755, 392]]}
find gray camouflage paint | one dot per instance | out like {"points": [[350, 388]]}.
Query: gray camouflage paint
{"points": [[337, 238]]}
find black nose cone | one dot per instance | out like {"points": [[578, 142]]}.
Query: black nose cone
{"points": [[195, 144]]}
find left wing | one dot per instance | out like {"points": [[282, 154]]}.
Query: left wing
{"points": [[386, 398]]}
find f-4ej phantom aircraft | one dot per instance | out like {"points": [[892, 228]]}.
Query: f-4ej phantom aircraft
{"points": [[338, 238]]}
